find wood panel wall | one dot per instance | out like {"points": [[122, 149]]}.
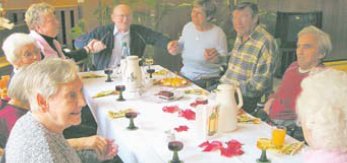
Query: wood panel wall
{"points": [[334, 19]]}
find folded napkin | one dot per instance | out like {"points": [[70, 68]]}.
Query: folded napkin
{"points": [[161, 72], [246, 118], [105, 93], [289, 148], [196, 91], [91, 75], [233, 147], [118, 114]]}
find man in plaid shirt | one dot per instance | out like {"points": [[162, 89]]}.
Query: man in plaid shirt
{"points": [[251, 63]]}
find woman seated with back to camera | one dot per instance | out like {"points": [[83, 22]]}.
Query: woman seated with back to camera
{"points": [[322, 112], [200, 43], [55, 95]]}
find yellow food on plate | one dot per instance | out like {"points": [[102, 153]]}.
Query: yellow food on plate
{"points": [[174, 82]]}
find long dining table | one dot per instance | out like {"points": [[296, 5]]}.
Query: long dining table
{"points": [[149, 143]]}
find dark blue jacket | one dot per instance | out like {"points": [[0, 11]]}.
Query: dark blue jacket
{"points": [[140, 36]]}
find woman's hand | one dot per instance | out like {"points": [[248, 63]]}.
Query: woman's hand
{"points": [[210, 55], [173, 47]]}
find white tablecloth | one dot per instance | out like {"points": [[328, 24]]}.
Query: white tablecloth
{"points": [[148, 144]]}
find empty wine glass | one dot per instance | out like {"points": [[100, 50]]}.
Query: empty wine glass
{"points": [[150, 71], [175, 146], [263, 144], [108, 71], [131, 115], [120, 89]]}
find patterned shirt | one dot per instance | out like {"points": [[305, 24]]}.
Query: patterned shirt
{"points": [[31, 142], [251, 64]]}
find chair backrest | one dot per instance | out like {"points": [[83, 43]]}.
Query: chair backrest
{"points": [[288, 24]]}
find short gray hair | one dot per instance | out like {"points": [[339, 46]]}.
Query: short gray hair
{"points": [[46, 76], [323, 38], [34, 14], [322, 109], [252, 6], [17, 87], [207, 6], [13, 43]]}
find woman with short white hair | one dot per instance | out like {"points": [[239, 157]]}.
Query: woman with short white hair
{"points": [[44, 27], [322, 111], [21, 49], [55, 95]]}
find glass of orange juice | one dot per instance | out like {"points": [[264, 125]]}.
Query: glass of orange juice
{"points": [[278, 136]]}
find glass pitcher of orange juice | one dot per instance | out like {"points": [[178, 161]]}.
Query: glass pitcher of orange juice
{"points": [[278, 136]]}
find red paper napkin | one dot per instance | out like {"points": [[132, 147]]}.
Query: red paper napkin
{"points": [[187, 114], [233, 147], [181, 128], [171, 109]]}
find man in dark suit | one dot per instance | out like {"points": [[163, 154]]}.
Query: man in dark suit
{"points": [[119, 32]]}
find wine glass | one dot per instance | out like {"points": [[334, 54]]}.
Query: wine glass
{"points": [[175, 146], [131, 115], [263, 144], [120, 89], [149, 62], [150, 71], [108, 71]]}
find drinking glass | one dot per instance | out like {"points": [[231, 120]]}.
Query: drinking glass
{"points": [[175, 146], [278, 136], [120, 89], [108, 71], [263, 144], [131, 115]]}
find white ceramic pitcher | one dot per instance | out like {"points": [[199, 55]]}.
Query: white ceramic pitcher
{"points": [[132, 74], [228, 108]]}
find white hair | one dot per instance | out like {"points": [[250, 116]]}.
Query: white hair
{"points": [[322, 108], [13, 43], [323, 39], [34, 16], [16, 87], [46, 76]]}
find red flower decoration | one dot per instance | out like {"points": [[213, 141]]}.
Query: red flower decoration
{"points": [[171, 109], [233, 147], [188, 114], [181, 128]]}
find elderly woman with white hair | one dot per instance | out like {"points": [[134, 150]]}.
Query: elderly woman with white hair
{"points": [[55, 95], [12, 110], [21, 49], [322, 112], [44, 27]]}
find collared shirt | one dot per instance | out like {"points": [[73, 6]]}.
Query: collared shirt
{"points": [[119, 38], [251, 64]]}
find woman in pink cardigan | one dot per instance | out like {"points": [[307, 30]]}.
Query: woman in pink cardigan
{"points": [[322, 111]]}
